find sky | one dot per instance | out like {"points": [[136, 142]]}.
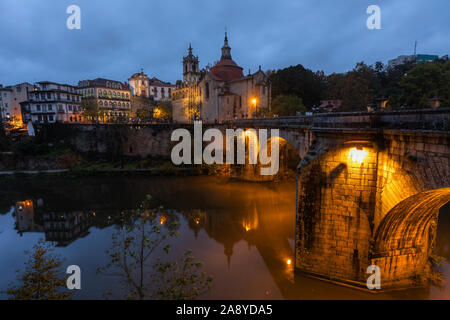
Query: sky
{"points": [[119, 37]]}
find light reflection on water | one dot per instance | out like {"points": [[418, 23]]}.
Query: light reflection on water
{"points": [[244, 232]]}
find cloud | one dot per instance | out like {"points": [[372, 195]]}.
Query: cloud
{"points": [[120, 37]]}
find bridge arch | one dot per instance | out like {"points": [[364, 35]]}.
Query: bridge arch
{"points": [[288, 158], [405, 238]]}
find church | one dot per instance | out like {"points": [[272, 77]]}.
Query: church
{"points": [[219, 93]]}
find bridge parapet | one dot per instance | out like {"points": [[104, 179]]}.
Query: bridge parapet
{"points": [[427, 119]]}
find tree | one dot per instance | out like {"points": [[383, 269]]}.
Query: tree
{"points": [[142, 114], [91, 109], [180, 280], [287, 105], [43, 278], [424, 82], [141, 239], [163, 110], [300, 82]]}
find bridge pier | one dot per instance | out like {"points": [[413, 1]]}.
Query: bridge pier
{"points": [[335, 213], [372, 201]]}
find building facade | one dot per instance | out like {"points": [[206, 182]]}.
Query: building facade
{"points": [[112, 97], [51, 102], [153, 88], [10, 99], [221, 93]]}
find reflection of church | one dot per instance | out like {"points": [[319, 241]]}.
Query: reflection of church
{"points": [[220, 93]]}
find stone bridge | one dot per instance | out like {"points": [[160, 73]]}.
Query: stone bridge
{"points": [[369, 186], [369, 189]]}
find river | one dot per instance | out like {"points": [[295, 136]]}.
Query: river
{"points": [[243, 232]]}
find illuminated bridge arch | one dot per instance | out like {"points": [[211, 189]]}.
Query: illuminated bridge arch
{"points": [[405, 238]]}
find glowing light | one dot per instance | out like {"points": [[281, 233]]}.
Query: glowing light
{"points": [[254, 101], [357, 154], [288, 261], [162, 220]]}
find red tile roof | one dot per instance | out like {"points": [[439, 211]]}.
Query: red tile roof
{"points": [[226, 70]]}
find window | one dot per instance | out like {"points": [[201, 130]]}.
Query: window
{"points": [[38, 107], [49, 95], [18, 89], [207, 90], [50, 117], [70, 108], [50, 108]]}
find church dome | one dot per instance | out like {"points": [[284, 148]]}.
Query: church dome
{"points": [[226, 69], [139, 75]]}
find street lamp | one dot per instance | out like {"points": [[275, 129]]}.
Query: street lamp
{"points": [[254, 106]]}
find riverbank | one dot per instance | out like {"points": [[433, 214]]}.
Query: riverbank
{"points": [[149, 171]]}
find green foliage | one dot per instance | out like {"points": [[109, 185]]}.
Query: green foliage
{"points": [[43, 278], [29, 146], [426, 81], [143, 237], [91, 109], [405, 86], [300, 82], [163, 110], [354, 88], [142, 114], [180, 280], [287, 105]]}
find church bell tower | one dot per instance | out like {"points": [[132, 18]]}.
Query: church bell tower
{"points": [[190, 67]]}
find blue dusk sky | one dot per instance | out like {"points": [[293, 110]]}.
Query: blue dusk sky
{"points": [[119, 37]]}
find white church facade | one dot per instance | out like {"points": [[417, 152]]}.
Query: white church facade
{"points": [[220, 93]]}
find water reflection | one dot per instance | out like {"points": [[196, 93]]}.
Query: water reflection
{"points": [[244, 232], [60, 227]]}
